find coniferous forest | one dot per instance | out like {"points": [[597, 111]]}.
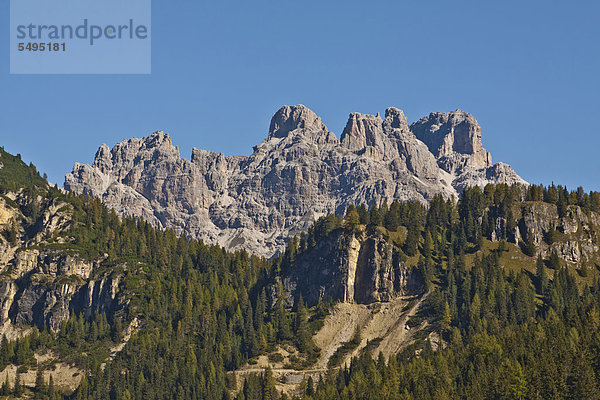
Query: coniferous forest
{"points": [[506, 332]]}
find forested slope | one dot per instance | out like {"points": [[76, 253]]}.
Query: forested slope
{"points": [[511, 276]]}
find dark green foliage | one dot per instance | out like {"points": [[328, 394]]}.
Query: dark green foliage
{"points": [[500, 344], [529, 248], [541, 275], [40, 384], [205, 311], [5, 389], [413, 235], [15, 174], [18, 389], [363, 214]]}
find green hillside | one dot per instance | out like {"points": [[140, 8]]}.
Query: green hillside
{"points": [[515, 309], [15, 174]]}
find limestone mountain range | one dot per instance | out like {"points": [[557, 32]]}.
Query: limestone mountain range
{"points": [[299, 172]]}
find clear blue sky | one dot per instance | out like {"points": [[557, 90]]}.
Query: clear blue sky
{"points": [[528, 71]]}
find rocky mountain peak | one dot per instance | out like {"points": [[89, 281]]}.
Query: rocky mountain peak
{"points": [[300, 172], [294, 118], [455, 140], [103, 159]]}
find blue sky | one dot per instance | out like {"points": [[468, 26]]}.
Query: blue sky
{"points": [[528, 71]]}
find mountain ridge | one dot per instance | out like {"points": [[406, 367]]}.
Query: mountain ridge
{"points": [[299, 172], [403, 282]]}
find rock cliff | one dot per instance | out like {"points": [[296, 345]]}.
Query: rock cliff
{"points": [[41, 285], [298, 173], [574, 236], [352, 268]]}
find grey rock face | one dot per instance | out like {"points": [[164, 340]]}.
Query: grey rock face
{"points": [[298, 173], [351, 268], [40, 286], [455, 140], [56, 285], [575, 235]]}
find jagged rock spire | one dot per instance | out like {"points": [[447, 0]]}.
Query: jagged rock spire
{"points": [[299, 172]]}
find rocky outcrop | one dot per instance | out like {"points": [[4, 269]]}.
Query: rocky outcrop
{"points": [[455, 140], [351, 268], [574, 236], [100, 296], [497, 173], [298, 173], [8, 290], [56, 285], [41, 286]]}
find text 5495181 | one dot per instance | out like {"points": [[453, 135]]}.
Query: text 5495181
{"points": [[50, 46]]}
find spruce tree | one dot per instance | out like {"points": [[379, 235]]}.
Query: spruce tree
{"points": [[541, 275], [52, 395], [5, 390], [18, 388], [303, 336], [40, 383]]}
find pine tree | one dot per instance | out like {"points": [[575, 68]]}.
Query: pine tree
{"points": [[554, 261], [541, 275], [363, 214], [5, 390], [18, 388], [82, 390], [282, 322], [352, 220], [5, 357], [518, 386], [310, 386], [52, 395], [446, 317], [412, 240], [40, 383], [268, 385], [303, 337], [530, 248], [427, 245], [375, 217]]}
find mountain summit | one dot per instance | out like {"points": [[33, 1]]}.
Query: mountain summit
{"points": [[299, 172]]}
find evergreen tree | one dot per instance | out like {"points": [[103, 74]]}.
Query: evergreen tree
{"points": [[303, 334], [352, 220], [18, 388], [52, 395], [5, 390], [40, 383], [446, 317], [363, 214], [530, 247], [541, 275]]}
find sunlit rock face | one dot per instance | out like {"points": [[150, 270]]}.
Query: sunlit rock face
{"points": [[298, 173]]}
